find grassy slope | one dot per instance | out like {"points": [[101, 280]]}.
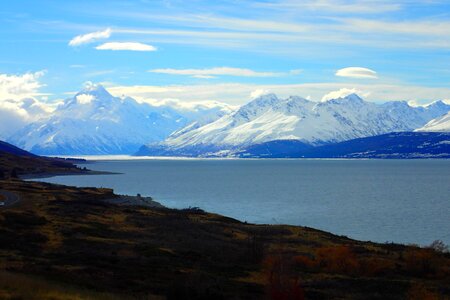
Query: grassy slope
{"points": [[68, 235]]}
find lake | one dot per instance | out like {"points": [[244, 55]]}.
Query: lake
{"points": [[405, 201]]}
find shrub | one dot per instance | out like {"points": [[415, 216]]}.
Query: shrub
{"points": [[282, 284], [337, 259], [419, 292], [425, 263], [439, 246], [375, 266], [305, 263]]}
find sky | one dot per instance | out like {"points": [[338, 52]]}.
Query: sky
{"points": [[227, 51]]}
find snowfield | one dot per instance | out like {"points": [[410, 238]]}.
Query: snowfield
{"points": [[269, 118]]}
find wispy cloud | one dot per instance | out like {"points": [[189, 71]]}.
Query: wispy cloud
{"points": [[357, 72], [429, 28], [336, 6], [98, 73], [126, 46], [301, 27], [262, 35], [212, 72], [90, 37]]}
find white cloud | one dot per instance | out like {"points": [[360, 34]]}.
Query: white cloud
{"points": [[20, 86], [203, 76], [15, 114], [17, 105], [12, 118], [85, 99], [344, 92], [90, 37], [357, 72], [210, 73], [336, 6], [127, 46], [259, 92]]}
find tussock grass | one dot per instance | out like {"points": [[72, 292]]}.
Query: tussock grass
{"points": [[19, 286]]}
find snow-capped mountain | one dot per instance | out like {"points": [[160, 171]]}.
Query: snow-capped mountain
{"points": [[441, 124], [269, 118], [95, 122]]}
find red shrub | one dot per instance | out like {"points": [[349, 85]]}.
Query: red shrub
{"points": [[337, 259]]}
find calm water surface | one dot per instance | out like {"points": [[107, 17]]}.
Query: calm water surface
{"points": [[404, 201]]}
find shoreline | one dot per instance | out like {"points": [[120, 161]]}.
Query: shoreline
{"points": [[51, 174], [94, 158]]}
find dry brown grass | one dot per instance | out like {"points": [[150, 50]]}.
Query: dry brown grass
{"points": [[71, 236], [19, 286]]}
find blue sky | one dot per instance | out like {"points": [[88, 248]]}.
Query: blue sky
{"points": [[227, 50]]}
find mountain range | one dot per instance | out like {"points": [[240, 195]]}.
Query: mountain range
{"points": [[94, 122], [269, 118]]}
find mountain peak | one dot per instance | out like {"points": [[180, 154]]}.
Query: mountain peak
{"points": [[397, 104], [96, 90], [265, 99], [351, 98], [297, 99], [437, 103]]}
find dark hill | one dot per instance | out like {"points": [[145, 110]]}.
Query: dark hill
{"points": [[391, 145], [10, 149], [15, 162]]}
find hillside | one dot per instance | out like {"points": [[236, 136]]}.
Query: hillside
{"points": [[391, 145], [6, 148], [69, 239], [59, 242], [15, 162]]}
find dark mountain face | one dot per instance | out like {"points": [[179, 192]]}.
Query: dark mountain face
{"points": [[391, 145]]}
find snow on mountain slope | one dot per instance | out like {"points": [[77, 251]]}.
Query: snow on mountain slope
{"points": [[15, 114], [441, 124], [95, 122], [269, 118]]}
